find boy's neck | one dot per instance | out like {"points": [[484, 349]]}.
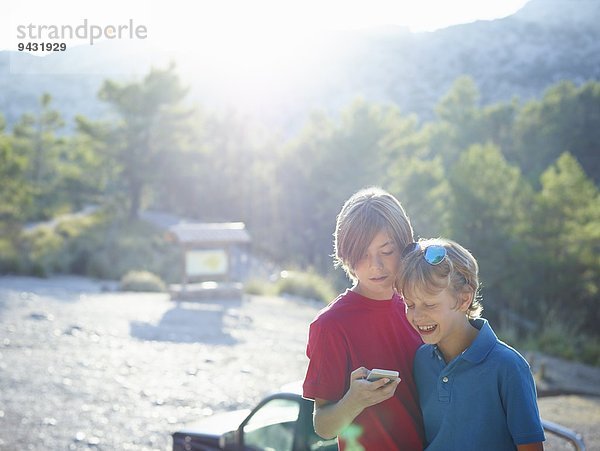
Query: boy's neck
{"points": [[462, 341], [379, 296]]}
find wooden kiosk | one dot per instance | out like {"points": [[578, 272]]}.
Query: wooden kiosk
{"points": [[214, 259]]}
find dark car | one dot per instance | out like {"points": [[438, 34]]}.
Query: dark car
{"points": [[281, 422]]}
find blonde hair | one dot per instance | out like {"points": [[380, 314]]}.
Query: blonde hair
{"points": [[458, 271], [365, 214]]}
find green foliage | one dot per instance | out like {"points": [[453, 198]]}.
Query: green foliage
{"points": [[565, 119], [490, 199], [36, 141], [422, 188], [142, 281], [589, 351], [496, 126], [308, 284], [51, 248], [556, 338], [132, 245], [563, 339], [564, 247], [41, 251], [144, 144], [515, 183], [488, 213], [15, 190], [330, 160], [9, 257], [459, 120], [260, 287], [98, 245]]}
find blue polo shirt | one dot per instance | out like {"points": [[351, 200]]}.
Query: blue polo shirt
{"points": [[484, 399]]}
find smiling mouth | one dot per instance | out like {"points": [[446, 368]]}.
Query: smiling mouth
{"points": [[427, 329], [378, 279]]}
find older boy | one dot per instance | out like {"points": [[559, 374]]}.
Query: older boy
{"points": [[366, 328]]}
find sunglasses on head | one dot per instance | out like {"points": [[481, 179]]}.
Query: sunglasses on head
{"points": [[433, 254]]}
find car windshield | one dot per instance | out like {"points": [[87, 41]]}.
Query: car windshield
{"points": [[272, 426]]}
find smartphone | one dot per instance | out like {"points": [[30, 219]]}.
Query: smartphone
{"points": [[376, 374]]}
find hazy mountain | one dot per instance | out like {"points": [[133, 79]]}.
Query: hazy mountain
{"points": [[521, 55]]}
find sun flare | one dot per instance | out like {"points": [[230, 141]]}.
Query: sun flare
{"points": [[256, 52]]}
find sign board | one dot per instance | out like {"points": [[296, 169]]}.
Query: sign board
{"points": [[206, 262]]}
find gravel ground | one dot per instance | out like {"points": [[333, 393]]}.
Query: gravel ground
{"points": [[83, 368], [581, 414]]}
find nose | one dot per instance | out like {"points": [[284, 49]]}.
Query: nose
{"points": [[375, 262]]}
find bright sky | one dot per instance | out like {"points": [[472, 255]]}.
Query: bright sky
{"points": [[179, 22], [246, 50]]}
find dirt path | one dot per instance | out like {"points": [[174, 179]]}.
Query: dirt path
{"points": [[85, 369]]}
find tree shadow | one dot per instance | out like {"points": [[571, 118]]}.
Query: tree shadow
{"points": [[188, 322]]}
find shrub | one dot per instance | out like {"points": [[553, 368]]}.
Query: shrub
{"points": [[142, 281], [590, 352], [40, 251], [259, 287], [307, 285], [9, 258], [116, 246], [563, 340], [98, 245]]}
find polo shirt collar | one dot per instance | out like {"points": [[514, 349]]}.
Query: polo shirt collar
{"points": [[482, 345], [484, 342]]}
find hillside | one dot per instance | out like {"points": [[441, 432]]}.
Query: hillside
{"points": [[518, 56]]}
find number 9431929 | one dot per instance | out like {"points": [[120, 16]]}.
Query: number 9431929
{"points": [[42, 46]]}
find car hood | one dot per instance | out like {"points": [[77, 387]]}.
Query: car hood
{"points": [[217, 424]]}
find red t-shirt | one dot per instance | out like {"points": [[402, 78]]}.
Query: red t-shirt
{"points": [[355, 331]]}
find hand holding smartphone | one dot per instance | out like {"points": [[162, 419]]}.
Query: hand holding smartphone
{"points": [[376, 374]]}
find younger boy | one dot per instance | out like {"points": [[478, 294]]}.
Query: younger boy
{"points": [[476, 392], [366, 328]]}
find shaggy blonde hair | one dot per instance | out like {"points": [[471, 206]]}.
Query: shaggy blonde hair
{"points": [[458, 271]]}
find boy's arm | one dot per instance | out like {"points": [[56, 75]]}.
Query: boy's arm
{"points": [[331, 418], [531, 447]]}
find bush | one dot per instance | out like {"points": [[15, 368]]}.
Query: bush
{"points": [[590, 352], [307, 285], [581, 348], [9, 258], [142, 281], [563, 340], [117, 246], [259, 287], [40, 252], [98, 245]]}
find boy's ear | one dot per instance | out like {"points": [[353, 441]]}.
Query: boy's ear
{"points": [[465, 299]]}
